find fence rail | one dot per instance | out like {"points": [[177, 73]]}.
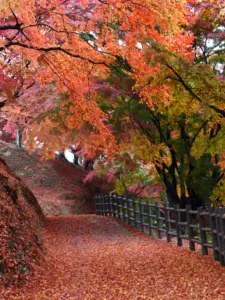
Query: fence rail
{"points": [[203, 227]]}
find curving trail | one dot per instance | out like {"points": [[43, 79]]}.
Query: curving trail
{"points": [[94, 257]]}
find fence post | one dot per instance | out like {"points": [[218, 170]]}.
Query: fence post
{"points": [[141, 215], [177, 220], [114, 205], [128, 211], [150, 219], [118, 207], [135, 214], [167, 219], [190, 230], [124, 208], [218, 233], [103, 205], [110, 206], [96, 205], [222, 227], [212, 222], [100, 205], [158, 220], [202, 233], [106, 206]]}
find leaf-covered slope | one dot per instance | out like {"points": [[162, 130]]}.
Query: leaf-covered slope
{"points": [[57, 185], [20, 220]]}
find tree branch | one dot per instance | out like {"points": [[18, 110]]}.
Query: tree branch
{"points": [[190, 90], [57, 48]]}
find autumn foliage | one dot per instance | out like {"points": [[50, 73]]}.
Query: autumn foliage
{"points": [[115, 78], [137, 86], [74, 43]]}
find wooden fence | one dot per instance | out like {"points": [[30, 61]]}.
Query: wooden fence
{"points": [[204, 227]]}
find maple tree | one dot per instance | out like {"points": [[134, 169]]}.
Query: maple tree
{"points": [[185, 146], [207, 23], [55, 36]]}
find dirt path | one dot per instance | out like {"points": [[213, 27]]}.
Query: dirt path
{"points": [[93, 257]]}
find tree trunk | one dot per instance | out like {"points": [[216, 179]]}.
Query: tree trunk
{"points": [[19, 138]]}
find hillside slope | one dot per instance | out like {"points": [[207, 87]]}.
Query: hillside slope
{"points": [[20, 221], [57, 185]]}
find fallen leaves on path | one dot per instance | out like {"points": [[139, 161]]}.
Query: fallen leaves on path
{"points": [[92, 257]]}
